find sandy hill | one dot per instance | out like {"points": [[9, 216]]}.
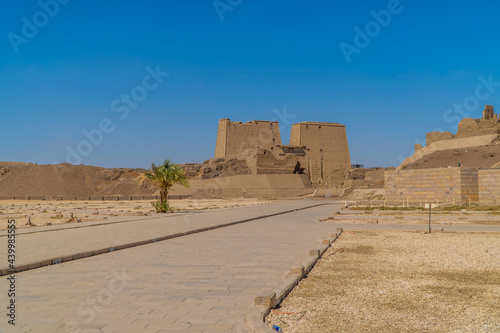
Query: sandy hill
{"points": [[476, 144], [471, 157], [66, 180]]}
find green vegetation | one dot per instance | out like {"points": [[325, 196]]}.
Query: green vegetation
{"points": [[165, 176]]}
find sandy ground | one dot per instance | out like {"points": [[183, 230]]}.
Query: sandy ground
{"points": [[392, 281], [417, 216], [55, 212]]}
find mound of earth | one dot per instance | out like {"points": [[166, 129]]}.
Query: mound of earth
{"points": [[366, 178], [217, 167], [361, 195], [67, 180], [474, 157]]}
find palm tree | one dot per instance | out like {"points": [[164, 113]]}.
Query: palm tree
{"points": [[165, 176]]}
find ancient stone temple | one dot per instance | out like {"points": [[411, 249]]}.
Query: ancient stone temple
{"points": [[317, 149]]}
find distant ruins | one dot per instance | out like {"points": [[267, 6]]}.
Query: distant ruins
{"points": [[479, 131], [318, 150], [250, 161], [460, 168]]}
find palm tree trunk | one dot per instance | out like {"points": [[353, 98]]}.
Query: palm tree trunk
{"points": [[164, 195]]}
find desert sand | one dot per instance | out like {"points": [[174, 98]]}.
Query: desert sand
{"points": [[390, 281], [44, 212]]}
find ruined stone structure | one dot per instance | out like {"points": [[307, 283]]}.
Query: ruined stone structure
{"points": [[452, 167], [319, 150], [489, 113], [472, 133], [468, 127], [366, 178], [437, 136]]}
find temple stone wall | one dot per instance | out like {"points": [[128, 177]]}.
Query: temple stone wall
{"points": [[437, 136], [327, 157], [234, 138], [442, 184], [489, 186], [318, 150]]}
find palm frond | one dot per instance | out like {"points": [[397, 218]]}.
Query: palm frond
{"points": [[167, 175]]}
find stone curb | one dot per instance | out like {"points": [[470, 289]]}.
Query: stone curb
{"points": [[264, 304], [470, 232], [89, 224], [81, 255]]}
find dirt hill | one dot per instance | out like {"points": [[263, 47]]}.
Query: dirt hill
{"points": [[478, 157], [216, 167], [66, 180]]}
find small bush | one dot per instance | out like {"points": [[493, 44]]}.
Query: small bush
{"points": [[161, 206]]}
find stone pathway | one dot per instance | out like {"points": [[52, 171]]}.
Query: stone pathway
{"points": [[204, 282], [42, 243]]}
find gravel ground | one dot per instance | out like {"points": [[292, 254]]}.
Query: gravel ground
{"points": [[391, 281], [42, 212], [464, 217]]}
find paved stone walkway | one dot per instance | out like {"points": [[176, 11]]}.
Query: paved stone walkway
{"points": [[41, 243], [204, 282]]}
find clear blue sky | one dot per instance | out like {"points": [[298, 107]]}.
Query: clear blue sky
{"points": [[263, 56]]}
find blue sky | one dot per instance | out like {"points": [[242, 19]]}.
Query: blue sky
{"points": [[63, 77]]}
